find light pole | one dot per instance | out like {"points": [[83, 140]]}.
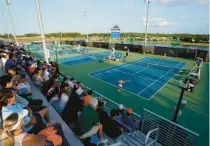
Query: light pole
{"points": [[46, 52], [145, 35], [7, 31], [10, 15], [86, 31]]}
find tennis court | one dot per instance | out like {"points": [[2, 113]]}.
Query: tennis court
{"points": [[84, 58], [146, 76]]}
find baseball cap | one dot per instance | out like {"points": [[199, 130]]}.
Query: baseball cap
{"points": [[21, 115], [129, 110], [120, 107], [93, 103]]}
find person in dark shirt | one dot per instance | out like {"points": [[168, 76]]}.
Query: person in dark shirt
{"points": [[10, 62], [111, 127]]}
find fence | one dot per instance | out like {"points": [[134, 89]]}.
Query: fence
{"points": [[170, 133]]}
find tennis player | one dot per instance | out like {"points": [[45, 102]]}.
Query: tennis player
{"points": [[120, 84]]}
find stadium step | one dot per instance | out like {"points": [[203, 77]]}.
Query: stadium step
{"points": [[135, 139]]}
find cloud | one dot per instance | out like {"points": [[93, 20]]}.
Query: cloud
{"points": [[159, 22], [177, 2]]}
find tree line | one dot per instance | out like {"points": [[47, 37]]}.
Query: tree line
{"points": [[193, 38]]}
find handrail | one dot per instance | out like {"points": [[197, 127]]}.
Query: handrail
{"points": [[171, 122], [148, 134]]}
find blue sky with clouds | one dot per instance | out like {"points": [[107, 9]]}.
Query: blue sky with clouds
{"points": [[165, 16]]}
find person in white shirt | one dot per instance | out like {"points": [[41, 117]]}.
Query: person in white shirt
{"points": [[46, 74], [71, 83]]}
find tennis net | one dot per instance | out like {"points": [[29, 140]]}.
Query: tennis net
{"points": [[159, 66]]}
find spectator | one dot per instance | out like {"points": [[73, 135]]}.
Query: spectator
{"points": [[33, 122], [6, 82], [80, 89], [87, 128], [14, 134], [38, 78], [46, 73], [74, 105], [128, 120], [62, 99], [111, 127], [71, 82], [120, 110], [54, 91], [35, 105], [10, 62], [23, 87], [4, 57], [87, 97]]}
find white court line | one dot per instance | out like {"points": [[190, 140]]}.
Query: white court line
{"points": [[116, 86], [133, 75], [120, 66], [166, 82], [140, 70], [157, 79]]}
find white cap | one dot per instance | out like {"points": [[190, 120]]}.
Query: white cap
{"points": [[184, 101], [21, 114], [120, 107], [93, 103]]}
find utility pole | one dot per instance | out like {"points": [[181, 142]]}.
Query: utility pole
{"points": [[7, 31], [145, 35], [46, 52], [10, 15]]}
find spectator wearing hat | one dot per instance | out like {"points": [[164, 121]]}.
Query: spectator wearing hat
{"points": [[13, 133], [120, 111], [128, 120]]}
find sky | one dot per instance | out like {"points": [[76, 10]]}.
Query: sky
{"points": [[165, 16]]}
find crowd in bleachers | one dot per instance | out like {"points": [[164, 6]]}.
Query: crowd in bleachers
{"points": [[24, 119]]}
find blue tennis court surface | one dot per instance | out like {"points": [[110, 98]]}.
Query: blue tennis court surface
{"points": [[146, 76], [84, 58]]}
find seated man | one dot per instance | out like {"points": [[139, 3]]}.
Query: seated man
{"points": [[88, 122], [128, 120]]}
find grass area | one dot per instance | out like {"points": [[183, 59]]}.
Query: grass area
{"points": [[195, 115]]}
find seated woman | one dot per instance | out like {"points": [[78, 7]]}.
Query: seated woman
{"points": [[60, 101], [23, 87], [38, 78], [33, 122], [13, 133]]}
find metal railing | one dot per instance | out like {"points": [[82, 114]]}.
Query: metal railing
{"points": [[170, 133]]}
